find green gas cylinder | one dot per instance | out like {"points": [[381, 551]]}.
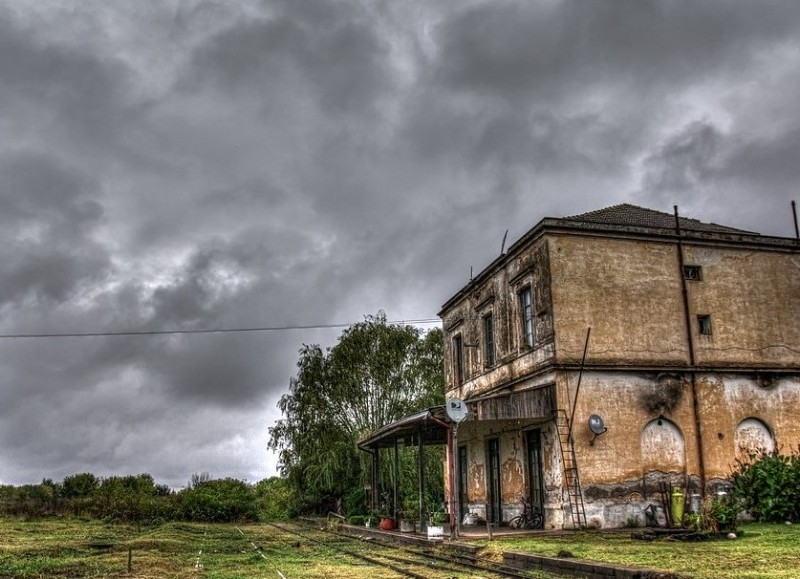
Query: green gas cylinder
{"points": [[677, 507]]}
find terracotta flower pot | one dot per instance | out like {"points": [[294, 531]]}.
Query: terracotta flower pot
{"points": [[387, 524]]}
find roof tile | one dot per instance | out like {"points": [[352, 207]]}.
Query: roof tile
{"points": [[632, 215]]}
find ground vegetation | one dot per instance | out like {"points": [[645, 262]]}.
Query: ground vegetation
{"points": [[139, 499]]}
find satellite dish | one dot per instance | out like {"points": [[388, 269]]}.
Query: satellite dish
{"points": [[596, 424], [597, 427], [456, 409]]}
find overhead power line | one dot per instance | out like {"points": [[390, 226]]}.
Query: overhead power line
{"points": [[422, 321]]}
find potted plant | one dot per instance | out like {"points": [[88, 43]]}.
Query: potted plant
{"points": [[408, 524], [436, 525], [387, 523]]}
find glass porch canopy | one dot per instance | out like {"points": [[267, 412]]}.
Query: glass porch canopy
{"points": [[428, 427]]}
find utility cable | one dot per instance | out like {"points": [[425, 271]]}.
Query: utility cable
{"points": [[421, 321]]}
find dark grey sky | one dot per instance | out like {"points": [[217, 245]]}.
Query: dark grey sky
{"points": [[195, 164]]}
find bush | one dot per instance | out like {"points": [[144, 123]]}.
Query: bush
{"points": [[224, 500], [769, 486], [275, 499], [721, 514], [355, 501]]}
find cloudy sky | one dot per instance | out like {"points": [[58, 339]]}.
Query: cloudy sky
{"points": [[204, 164]]}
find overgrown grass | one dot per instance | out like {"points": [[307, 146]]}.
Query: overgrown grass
{"points": [[80, 548], [760, 551], [62, 548], [68, 548]]}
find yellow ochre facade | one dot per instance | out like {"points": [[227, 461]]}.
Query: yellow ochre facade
{"points": [[692, 362]]}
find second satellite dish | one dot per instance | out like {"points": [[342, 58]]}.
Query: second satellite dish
{"points": [[456, 409]]}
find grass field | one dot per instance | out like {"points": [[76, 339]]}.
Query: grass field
{"points": [[75, 548], [760, 551], [79, 548]]}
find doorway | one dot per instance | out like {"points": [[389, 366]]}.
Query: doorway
{"points": [[463, 504], [535, 471], [494, 510]]}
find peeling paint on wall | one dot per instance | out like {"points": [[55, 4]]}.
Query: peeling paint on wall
{"points": [[752, 438], [660, 407]]}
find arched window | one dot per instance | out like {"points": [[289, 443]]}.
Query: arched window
{"points": [[751, 438], [663, 447]]}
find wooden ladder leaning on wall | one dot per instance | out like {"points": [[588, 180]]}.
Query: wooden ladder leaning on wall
{"points": [[571, 479]]}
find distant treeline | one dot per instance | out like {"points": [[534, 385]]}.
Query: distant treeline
{"points": [[137, 498]]}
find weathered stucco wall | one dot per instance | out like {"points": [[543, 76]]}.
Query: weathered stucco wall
{"points": [[727, 400], [638, 375], [513, 468], [753, 298], [498, 295], [652, 437], [628, 402], [628, 292]]}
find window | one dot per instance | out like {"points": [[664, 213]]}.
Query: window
{"points": [[488, 340], [526, 311], [692, 272], [458, 359], [704, 325]]}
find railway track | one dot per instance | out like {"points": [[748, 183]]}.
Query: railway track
{"points": [[416, 563]]}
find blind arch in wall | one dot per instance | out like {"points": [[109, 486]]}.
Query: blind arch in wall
{"points": [[752, 437], [663, 449]]}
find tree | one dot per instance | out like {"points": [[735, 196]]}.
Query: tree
{"points": [[275, 499], [80, 485], [376, 373]]}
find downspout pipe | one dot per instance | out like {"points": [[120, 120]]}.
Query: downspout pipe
{"points": [[701, 466]]}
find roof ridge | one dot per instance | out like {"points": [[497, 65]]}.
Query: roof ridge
{"points": [[628, 214]]}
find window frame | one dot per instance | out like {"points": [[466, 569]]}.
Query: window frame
{"points": [[528, 331], [458, 358], [704, 326], [489, 342], [693, 273]]}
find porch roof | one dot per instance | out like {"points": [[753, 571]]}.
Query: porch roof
{"points": [[430, 425]]}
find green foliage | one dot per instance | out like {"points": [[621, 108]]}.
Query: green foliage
{"points": [[376, 373], [355, 501], [80, 485], [138, 499], [129, 498], [721, 514], [223, 500], [633, 522], [275, 499], [768, 486]]}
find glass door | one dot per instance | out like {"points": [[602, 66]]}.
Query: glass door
{"points": [[535, 470], [493, 511]]}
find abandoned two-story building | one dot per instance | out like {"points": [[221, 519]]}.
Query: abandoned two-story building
{"points": [[604, 353]]}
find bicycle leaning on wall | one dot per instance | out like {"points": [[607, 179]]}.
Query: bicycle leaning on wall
{"points": [[530, 518]]}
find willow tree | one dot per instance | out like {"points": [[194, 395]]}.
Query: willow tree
{"points": [[376, 373]]}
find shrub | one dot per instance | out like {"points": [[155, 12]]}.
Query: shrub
{"points": [[275, 499], [355, 501], [721, 513], [769, 486], [223, 500], [633, 522]]}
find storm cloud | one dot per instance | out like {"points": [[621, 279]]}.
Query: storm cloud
{"points": [[201, 164]]}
